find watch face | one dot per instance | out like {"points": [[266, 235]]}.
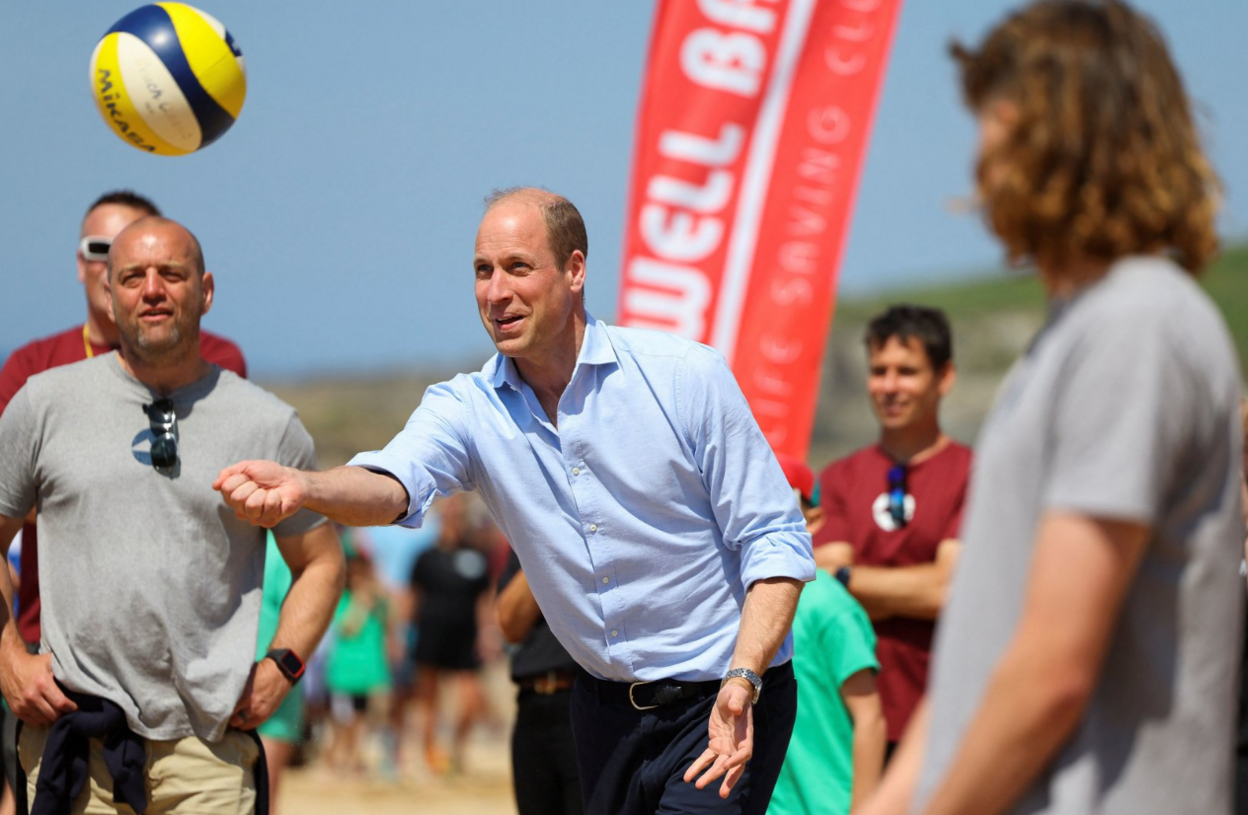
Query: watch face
{"points": [[290, 664]]}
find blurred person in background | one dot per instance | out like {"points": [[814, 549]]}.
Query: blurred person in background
{"points": [[543, 751], [452, 589], [1087, 659], [394, 550], [892, 510], [357, 672], [836, 755]]}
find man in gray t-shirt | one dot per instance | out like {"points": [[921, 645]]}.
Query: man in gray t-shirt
{"points": [[1101, 419], [1086, 661], [151, 591]]}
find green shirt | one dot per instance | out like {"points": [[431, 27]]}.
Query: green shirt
{"points": [[833, 640], [357, 663]]}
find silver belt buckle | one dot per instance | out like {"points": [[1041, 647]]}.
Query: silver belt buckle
{"points": [[633, 701]]}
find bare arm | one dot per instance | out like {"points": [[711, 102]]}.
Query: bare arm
{"points": [[265, 493], [862, 700], [896, 792], [25, 680], [832, 556], [917, 591], [765, 622], [1079, 577], [517, 609], [316, 564]]}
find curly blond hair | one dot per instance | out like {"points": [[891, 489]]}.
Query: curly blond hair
{"points": [[1103, 159]]}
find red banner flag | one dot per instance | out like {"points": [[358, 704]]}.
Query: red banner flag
{"points": [[750, 141]]}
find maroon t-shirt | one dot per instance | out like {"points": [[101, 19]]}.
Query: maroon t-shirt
{"points": [[853, 492], [53, 352]]}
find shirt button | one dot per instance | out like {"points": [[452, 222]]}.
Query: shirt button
{"points": [[606, 580], [576, 471], [593, 527], [614, 633]]}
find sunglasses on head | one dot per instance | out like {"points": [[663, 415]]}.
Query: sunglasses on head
{"points": [[897, 495], [95, 247], [164, 424]]}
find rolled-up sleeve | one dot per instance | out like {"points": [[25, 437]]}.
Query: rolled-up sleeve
{"points": [[752, 501], [431, 455]]}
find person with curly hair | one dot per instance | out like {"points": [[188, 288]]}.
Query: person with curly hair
{"points": [[1086, 661]]}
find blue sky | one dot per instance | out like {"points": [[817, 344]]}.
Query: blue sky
{"points": [[339, 213]]}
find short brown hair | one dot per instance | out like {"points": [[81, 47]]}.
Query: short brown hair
{"points": [[564, 226], [1103, 159]]}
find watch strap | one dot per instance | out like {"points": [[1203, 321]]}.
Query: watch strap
{"points": [[288, 662], [748, 675]]}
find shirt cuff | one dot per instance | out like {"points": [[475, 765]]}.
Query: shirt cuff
{"points": [[779, 554], [379, 461]]}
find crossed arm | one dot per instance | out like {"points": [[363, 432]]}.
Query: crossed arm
{"points": [[1082, 568], [917, 591]]}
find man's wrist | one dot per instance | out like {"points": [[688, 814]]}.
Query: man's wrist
{"points": [[288, 662], [747, 679]]}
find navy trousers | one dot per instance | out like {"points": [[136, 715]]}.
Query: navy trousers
{"points": [[633, 762]]}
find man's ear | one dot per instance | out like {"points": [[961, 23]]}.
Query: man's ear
{"points": [[576, 267], [947, 376], [208, 286]]}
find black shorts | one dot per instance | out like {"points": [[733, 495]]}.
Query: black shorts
{"points": [[450, 647]]}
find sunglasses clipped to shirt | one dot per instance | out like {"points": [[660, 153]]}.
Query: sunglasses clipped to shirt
{"points": [[897, 494], [164, 424], [95, 247]]}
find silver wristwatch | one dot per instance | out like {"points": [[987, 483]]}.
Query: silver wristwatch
{"points": [[746, 673]]}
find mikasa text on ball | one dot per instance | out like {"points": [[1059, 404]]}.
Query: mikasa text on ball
{"points": [[168, 79]]}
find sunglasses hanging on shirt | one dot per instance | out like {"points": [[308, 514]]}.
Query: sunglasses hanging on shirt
{"points": [[897, 495], [164, 424]]}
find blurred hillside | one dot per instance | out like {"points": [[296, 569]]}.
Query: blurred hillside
{"points": [[993, 319]]}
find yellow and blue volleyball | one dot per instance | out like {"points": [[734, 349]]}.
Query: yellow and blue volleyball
{"points": [[168, 79]]}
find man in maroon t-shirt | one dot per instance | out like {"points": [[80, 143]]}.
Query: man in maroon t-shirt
{"points": [[892, 510], [110, 214]]}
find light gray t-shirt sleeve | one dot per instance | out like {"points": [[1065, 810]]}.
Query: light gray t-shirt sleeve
{"points": [[18, 447], [1119, 421], [297, 450]]}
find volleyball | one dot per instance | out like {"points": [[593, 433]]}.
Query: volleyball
{"points": [[168, 79]]}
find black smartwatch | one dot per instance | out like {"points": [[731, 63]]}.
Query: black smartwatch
{"points": [[843, 574], [288, 662]]}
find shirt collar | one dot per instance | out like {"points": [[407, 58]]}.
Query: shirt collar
{"points": [[596, 349]]}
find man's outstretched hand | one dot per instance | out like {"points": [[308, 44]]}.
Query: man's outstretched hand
{"points": [[731, 742], [263, 493]]}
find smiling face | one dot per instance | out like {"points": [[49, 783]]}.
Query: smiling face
{"points": [[158, 291], [527, 303], [905, 390]]}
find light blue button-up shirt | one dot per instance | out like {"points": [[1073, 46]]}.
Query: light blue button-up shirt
{"points": [[640, 520]]}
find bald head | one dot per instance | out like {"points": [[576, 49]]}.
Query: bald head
{"points": [[565, 229], [148, 228]]}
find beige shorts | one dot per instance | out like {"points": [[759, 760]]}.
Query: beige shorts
{"points": [[183, 776]]}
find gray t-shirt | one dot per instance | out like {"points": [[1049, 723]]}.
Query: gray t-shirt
{"points": [[150, 585], [1125, 407]]}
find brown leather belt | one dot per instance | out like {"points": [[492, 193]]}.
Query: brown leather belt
{"points": [[548, 683]]}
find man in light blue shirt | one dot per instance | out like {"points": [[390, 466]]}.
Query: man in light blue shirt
{"points": [[657, 531]]}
